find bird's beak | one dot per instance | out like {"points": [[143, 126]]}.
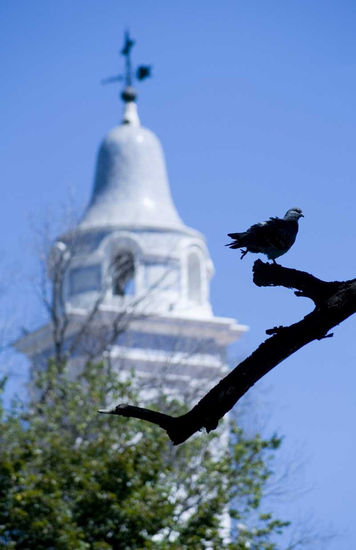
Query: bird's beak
{"points": [[302, 215]]}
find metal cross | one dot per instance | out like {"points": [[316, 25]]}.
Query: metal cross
{"points": [[142, 71]]}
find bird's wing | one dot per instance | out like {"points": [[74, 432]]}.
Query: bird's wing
{"points": [[279, 233], [275, 233]]}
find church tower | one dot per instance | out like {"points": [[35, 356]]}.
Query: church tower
{"points": [[135, 263]]}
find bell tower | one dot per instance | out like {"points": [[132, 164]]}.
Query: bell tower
{"points": [[134, 257]]}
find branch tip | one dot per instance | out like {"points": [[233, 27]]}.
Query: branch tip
{"points": [[330, 335], [274, 330]]}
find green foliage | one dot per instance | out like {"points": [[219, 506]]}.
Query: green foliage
{"points": [[71, 479]]}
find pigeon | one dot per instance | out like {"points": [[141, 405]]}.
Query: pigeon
{"points": [[273, 237]]}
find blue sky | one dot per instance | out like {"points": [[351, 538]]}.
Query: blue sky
{"points": [[254, 103]]}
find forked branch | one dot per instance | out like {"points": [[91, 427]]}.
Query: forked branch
{"points": [[334, 302]]}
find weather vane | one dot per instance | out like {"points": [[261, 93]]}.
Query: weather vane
{"points": [[142, 71]]}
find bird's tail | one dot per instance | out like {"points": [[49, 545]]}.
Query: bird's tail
{"points": [[238, 240]]}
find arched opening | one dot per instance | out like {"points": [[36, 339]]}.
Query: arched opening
{"points": [[194, 277], [123, 274]]}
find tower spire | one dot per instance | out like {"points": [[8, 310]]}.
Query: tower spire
{"points": [[128, 94]]}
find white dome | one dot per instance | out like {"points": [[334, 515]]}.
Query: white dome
{"points": [[131, 187]]}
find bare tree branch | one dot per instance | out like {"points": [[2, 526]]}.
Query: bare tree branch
{"points": [[334, 302]]}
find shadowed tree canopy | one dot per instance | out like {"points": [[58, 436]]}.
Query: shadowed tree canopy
{"points": [[334, 302]]}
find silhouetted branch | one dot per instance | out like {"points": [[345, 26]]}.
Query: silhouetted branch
{"points": [[163, 420], [265, 274], [334, 301]]}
